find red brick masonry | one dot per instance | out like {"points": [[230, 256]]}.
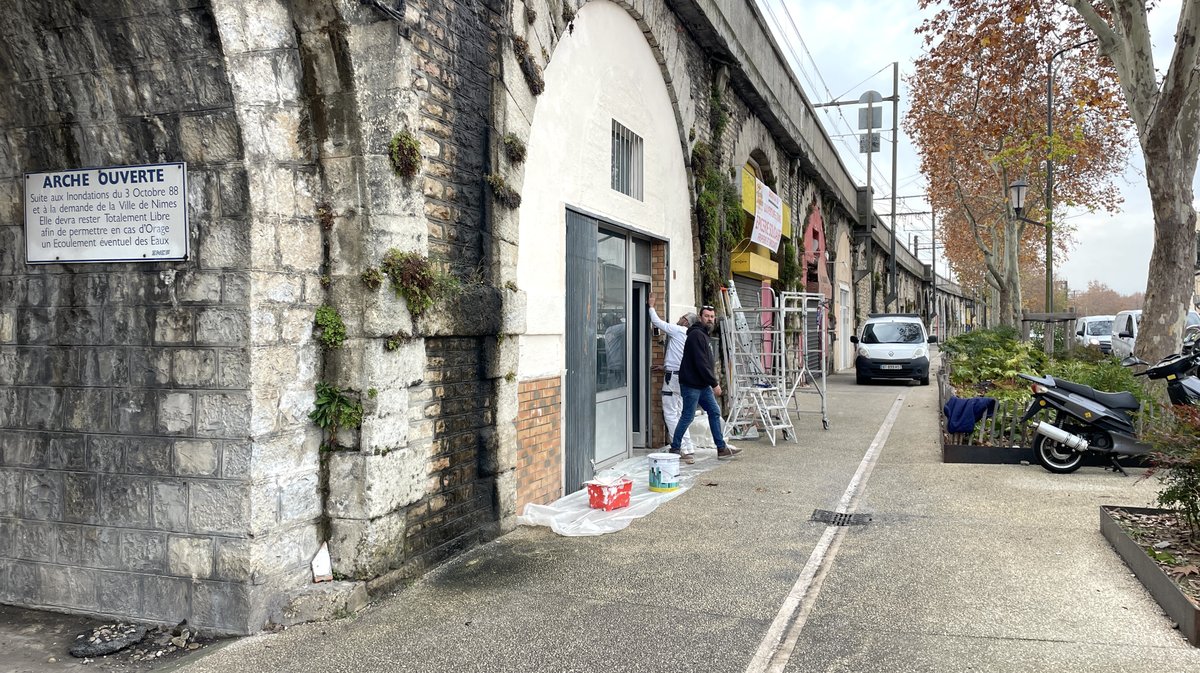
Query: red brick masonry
{"points": [[539, 441]]}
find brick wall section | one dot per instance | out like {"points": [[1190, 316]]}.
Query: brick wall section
{"points": [[539, 441], [124, 408], [458, 502], [658, 352]]}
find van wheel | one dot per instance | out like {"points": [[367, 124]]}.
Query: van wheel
{"points": [[924, 380], [860, 379]]}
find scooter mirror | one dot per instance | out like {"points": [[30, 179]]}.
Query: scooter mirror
{"points": [[1132, 361]]}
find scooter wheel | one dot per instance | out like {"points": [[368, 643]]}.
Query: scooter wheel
{"points": [[1056, 457]]}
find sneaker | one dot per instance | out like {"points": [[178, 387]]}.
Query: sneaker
{"points": [[674, 451], [688, 459], [727, 452]]}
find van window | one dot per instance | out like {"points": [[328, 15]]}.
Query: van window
{"points": [[892, 333], [1098, 327]]}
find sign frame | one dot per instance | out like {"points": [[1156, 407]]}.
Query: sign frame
{"points": [[148, 203]]}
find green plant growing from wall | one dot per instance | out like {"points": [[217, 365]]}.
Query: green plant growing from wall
{"points": [[331, 327], [719, 218], [789, 268], [396, 340], [504, 194], [372, 278], [529, 68], [415, 278], [514, 149], [405, 154], [325, 216], [334, 410]]}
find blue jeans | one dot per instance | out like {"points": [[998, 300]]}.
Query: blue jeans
{"points": [[704, 396]]}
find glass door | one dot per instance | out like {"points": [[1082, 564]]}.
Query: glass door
{"points": [[612, 347]]}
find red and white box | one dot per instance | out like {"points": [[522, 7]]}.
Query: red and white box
{"points": [[609, 495]]}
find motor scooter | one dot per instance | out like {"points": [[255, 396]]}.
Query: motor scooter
{"points": [[1083, 419]]}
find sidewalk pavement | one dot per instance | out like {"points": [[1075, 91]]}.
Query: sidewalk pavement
{"points": [[962, 567]]}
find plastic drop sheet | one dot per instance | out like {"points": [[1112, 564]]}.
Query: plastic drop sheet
{"points": [[571, 516]]}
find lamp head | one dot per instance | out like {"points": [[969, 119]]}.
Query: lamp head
{"points": [[1016, 195]]}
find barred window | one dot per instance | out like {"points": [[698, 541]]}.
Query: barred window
{"points": [[626, 161]]}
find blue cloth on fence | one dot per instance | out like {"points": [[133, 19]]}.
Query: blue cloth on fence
{"points": [[962, 413]]}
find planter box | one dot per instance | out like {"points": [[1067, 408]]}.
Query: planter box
{"points": [[1168, 594], [988, 455]]}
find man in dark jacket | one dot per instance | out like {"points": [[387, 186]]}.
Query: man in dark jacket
{"points": [[698, 384]]}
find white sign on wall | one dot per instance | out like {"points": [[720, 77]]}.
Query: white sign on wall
{"points": [[768, 216], [112, 214]]}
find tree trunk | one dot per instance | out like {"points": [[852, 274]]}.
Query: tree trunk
{"points": [[1170, 284]]}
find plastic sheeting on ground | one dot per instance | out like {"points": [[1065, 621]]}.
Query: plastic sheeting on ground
{"points": [[571, 515]]}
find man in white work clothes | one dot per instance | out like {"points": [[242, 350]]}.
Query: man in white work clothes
{"points": [[672, 403]]}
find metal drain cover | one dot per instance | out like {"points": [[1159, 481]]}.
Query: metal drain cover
{"points": [[840, 518]]}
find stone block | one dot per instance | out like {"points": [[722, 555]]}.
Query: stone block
{"points": [[235, 460], [196, 458], [506, 500], [233, 369], [239, 560], [135, 411], [365, 486], [166, 599], [323, 602], [190, 556], [176, 414], [253, 26], [8, 532], [106, 453], [225, 244], [501, 356], [299, 499], [218, 326], [148, 368], [199, 287], [23, 586], [170, 506], [264, 326], [222, 606], [148, 455], [223, 415], [10, 492], [43, 409], [367, 548], [100, 547], [173, 327], [120, 593], [385, 314], [143, 552], [43, 496], [68, 545], [383, 432], [295, 326], [234, 193], [276, 288], [35, 540], [68, 587], [294, 451], [213, 137], [81, 497], [222, 508], [64, 452], [194, 368], [125, 501]]}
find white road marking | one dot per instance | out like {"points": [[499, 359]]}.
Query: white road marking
{"points": [[780, 640]]}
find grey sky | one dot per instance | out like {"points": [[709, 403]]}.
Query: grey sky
{"points": [[847, 47]]}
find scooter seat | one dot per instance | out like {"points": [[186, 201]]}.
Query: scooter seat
{"points": [[1111, 400]]}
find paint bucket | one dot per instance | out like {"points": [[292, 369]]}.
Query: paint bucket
{"points": [[664, 472]]}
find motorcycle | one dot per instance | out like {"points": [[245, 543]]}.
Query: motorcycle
{"points": [[1088, 420]]}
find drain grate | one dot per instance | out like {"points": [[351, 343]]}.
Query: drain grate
{"points": [[840, 518]]}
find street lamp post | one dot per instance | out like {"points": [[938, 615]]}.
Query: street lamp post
{"points": [[1016, 196]]}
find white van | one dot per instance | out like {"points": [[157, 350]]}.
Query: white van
{"points": [[1095, 331], [1125, 330]]}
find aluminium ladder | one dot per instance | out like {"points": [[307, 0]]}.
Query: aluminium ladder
{"points": [[755, 360]]}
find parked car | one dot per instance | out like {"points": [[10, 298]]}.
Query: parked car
{"points": [[1095, 331], [892, 346], [1125, 330]]}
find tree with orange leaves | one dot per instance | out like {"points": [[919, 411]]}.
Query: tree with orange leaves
{"points": [[978, 119]]}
